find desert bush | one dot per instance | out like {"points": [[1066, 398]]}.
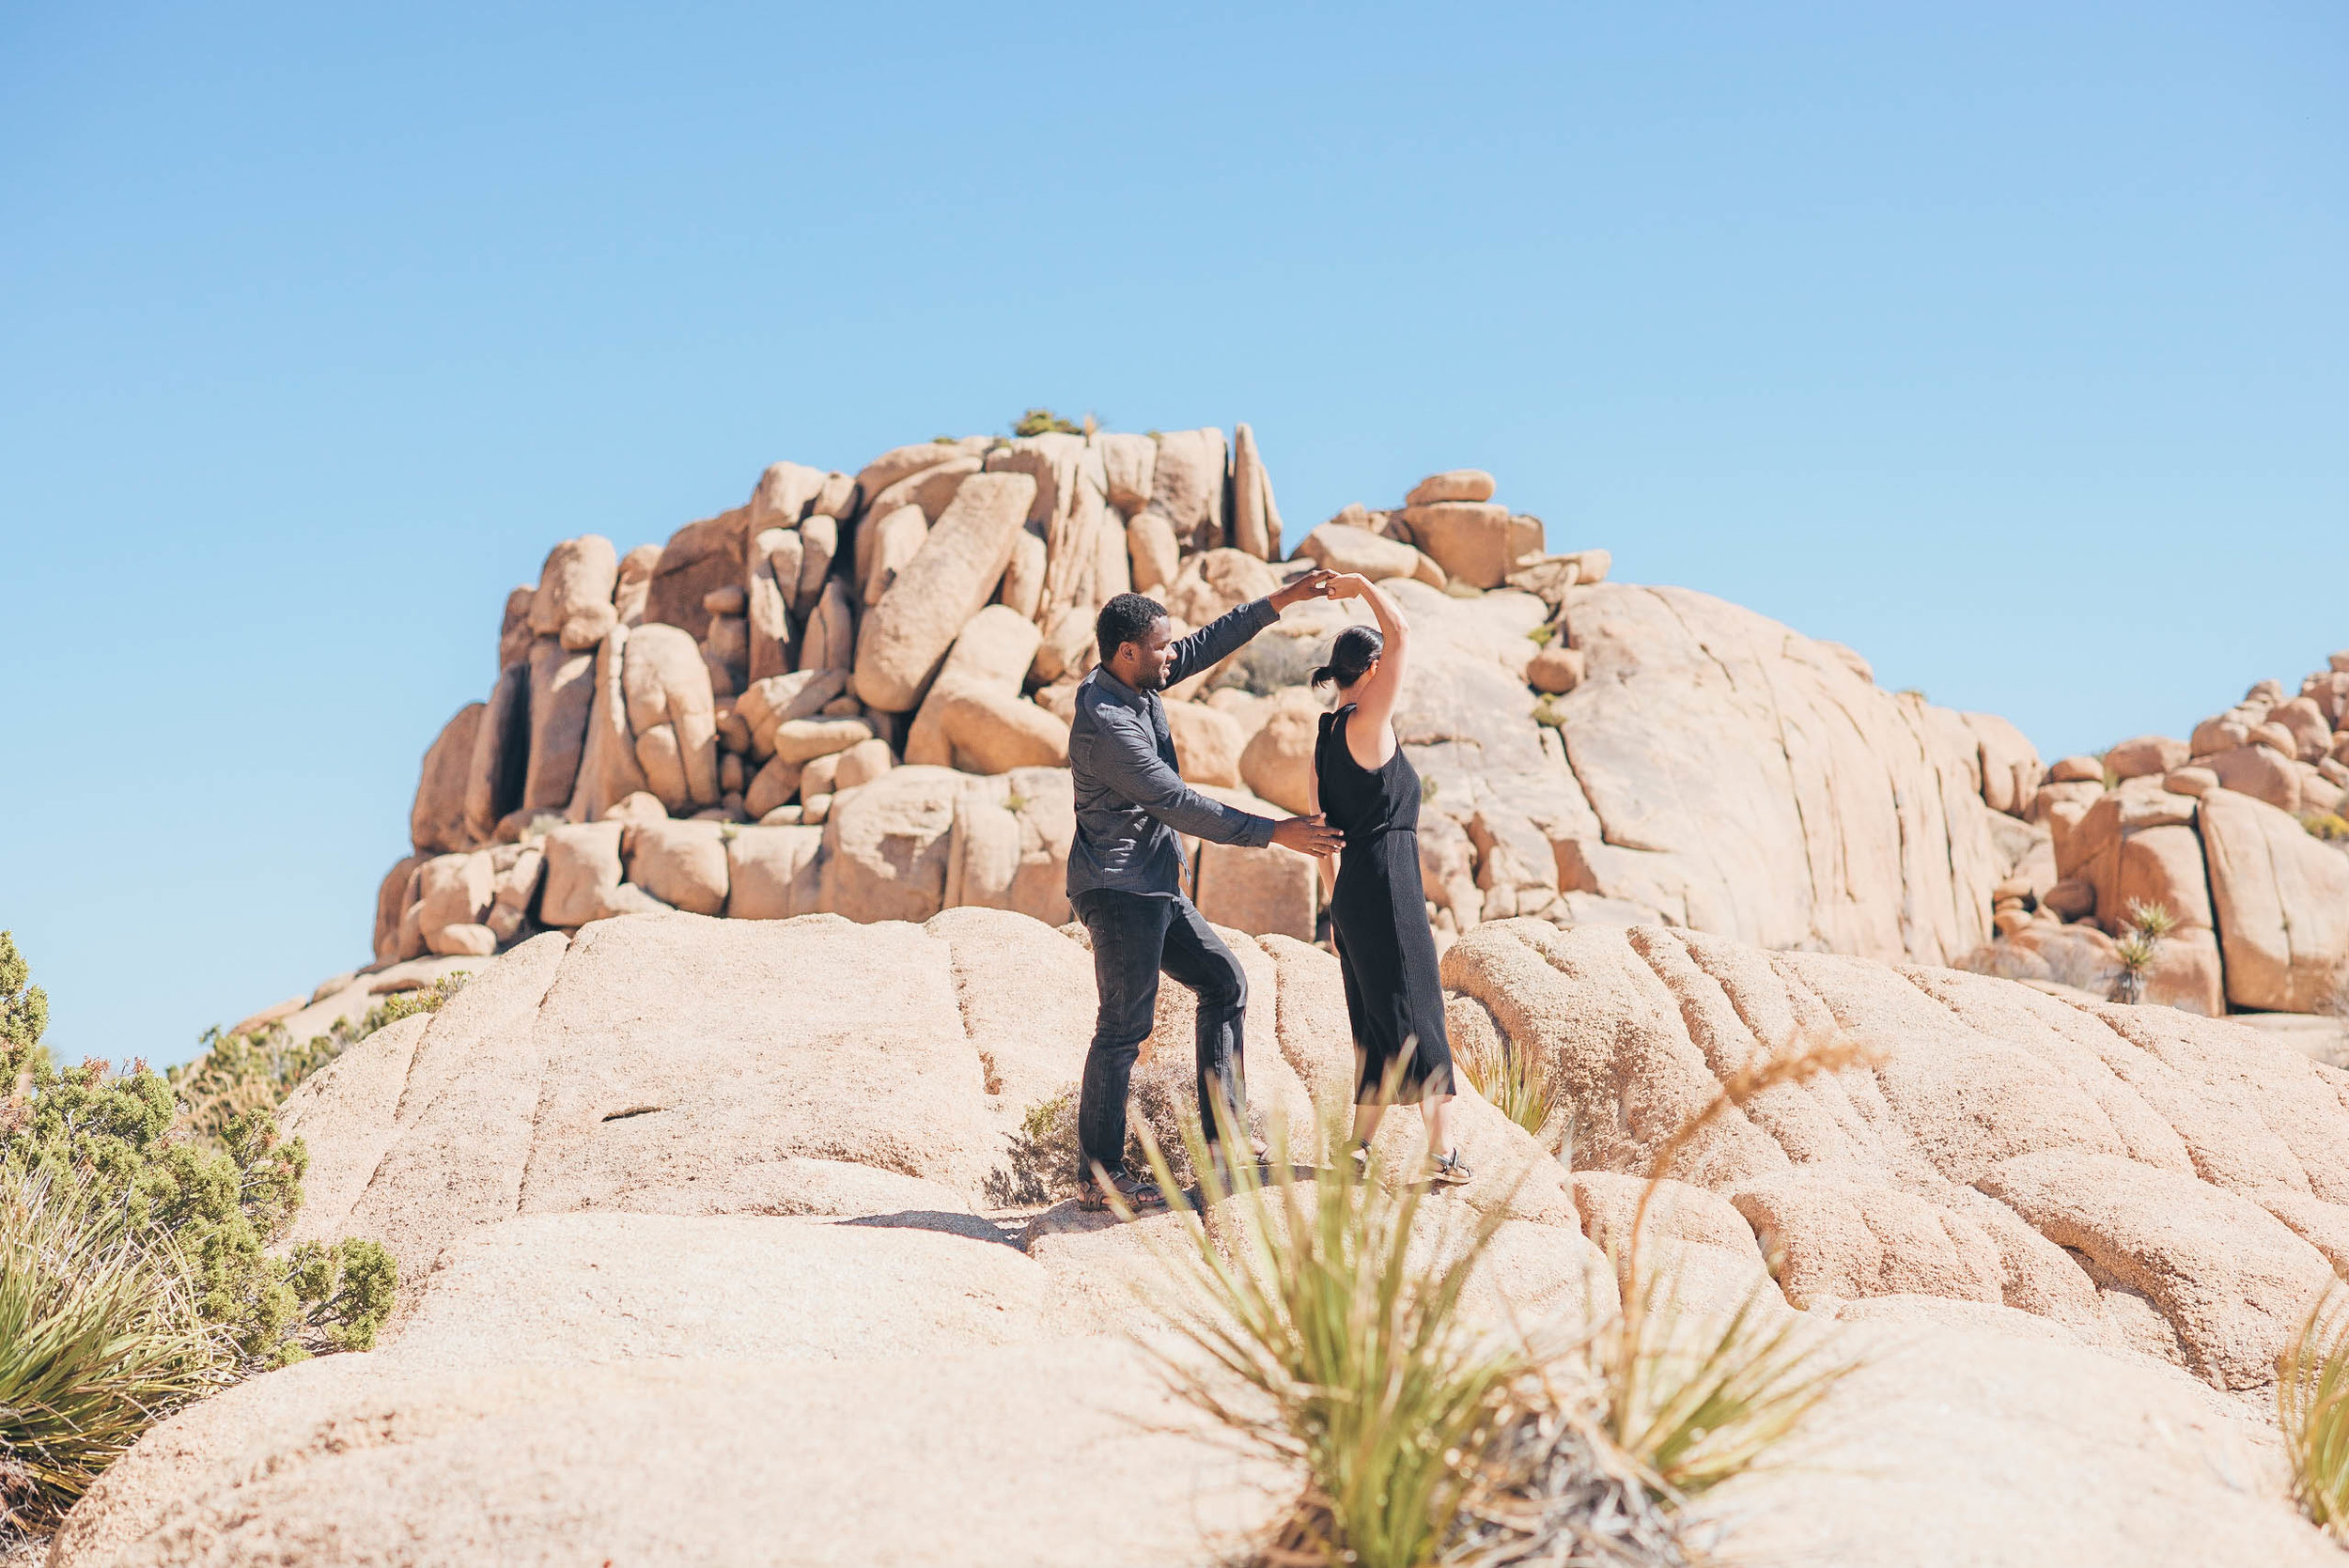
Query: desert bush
{"points": [[1697, 1400], [1547, 711], [1322, 1340], [220, 1201], [236, 1074], [1041, 1164], [1543, 635], [2329, 825], [101, 1337], [1044, 422], [2312, 1408]]}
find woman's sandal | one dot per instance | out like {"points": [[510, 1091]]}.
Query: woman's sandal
{"points": [[1137, 1193], [1361, 1159], [1447, 1171]]}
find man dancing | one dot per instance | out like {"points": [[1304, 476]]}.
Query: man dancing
{"points": [[1124, 871]]}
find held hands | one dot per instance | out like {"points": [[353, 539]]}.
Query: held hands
{"points": [[1316, 584], [1308, 835]]}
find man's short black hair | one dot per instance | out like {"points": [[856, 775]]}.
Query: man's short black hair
{"points": [[1127, 618]]}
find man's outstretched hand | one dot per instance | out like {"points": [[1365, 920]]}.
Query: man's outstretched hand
{"points": [[1313, 584], [1308, 835]]}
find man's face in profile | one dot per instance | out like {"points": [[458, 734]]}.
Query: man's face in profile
{"points": [[1152, 655]]}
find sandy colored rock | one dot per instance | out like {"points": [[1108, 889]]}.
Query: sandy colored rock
{"points": [[562, 695], [988, 733], [2077, 769], [711, 553], [514, 633], [1718, 767], [1022, 588], [1342, 548], [2010, 764], [2282, 903], [2166, 1120], [802, 740], [573, 601], [820, 545], [886, 845], [391, 899], [775, 557], [907, 636], [1278, 761], [634, 585], [1556, 669], [884, 546], [2260, 772], [1267, 891], [1217, 582], [828, 640], [514, 890], [1186, 486], [1207, 744], [501, 755], [2146, 753], [681, 863], [770, 704], [673, 713], [1458, 484], [454, 891], [1471, 540], [1256, 518], [899, 463], [932, 489], [773, 873], [991, 654], [1009, 844], [2194, 782], [863, 762], [1156, 555], [583, 874], [436, 822]]}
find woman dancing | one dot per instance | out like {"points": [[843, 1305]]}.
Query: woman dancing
{"points": [[1377, 906]]}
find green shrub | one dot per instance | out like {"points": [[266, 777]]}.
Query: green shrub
{"points": [[1042, 1163], [24, 1006], [220, 1198], [1547, 711], [1543, 635], [101, 1337], [1044, 422], [2329, 825]]}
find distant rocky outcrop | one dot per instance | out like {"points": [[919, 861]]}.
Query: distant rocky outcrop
{"points": [[2235, 835], [852, 695], [700, 1262]]}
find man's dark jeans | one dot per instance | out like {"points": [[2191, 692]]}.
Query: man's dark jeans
{"points": [[1134, 937]]}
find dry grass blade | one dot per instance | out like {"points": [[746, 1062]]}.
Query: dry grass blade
{"points": [[2312, 1408], [1698, 1401], [1316, 1333]]}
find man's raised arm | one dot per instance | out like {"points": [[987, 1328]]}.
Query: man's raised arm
{"points": [[1227, 633]]}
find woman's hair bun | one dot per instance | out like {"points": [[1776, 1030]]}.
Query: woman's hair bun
{"points": [[1351, 656]]}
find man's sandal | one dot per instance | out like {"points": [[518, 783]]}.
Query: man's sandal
{"points": [[1136, 1193]]}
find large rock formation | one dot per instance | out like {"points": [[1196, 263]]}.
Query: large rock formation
{"points": [[705, 1204]]}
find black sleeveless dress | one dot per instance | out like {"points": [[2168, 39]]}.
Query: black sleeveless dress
{"points": [[1378, 909]]}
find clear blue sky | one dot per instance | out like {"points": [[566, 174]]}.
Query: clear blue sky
{"points": [[2007, 343]]}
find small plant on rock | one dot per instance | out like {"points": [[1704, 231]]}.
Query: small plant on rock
{"points": [[2312, 1408], [1044, 422], [2136, 952], [1517, 1084], [2329, 825]]}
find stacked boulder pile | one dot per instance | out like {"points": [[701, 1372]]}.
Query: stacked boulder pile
{"points": [[852, 695], [2234, 834]]}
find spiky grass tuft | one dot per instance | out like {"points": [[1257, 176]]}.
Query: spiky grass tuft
{"points": [[2312, 1408], [101, 1337], [1319, 1335], [1514, 1082]]}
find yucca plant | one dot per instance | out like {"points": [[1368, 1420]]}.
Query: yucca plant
{"points": [[101, 1337], [2312, 1408], [2136, 952], [1319, 1335], [1698, 1400], [2151, 920]]}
